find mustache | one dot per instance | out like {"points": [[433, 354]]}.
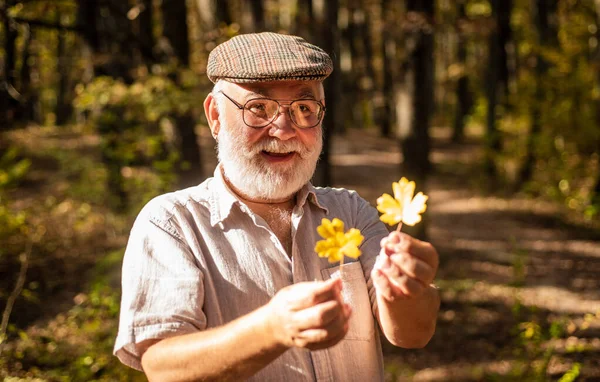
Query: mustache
{"points": [[276, 146]]}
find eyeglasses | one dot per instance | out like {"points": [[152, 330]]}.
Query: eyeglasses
{"points": [[259, 112]]}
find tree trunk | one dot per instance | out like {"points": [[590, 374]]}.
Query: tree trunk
{"points": [[388, 46], [351, 78], [419, 94], [30, 99], [7, 102], [87, 19], [419, 78], [206, 12], [505, 42], [175, 31], [492, 138], [145, 31], [596, 189], [63, 106], [258, 15], [546, 22], [304, 20], [367, 40], [223, 12], [329, 43], [463, 95]]}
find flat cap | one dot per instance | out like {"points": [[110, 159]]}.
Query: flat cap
{"points": [[267, 56]]}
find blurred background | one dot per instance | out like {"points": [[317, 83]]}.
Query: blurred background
{"points": [[492, 106]]}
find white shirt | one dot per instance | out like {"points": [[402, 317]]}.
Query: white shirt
{"points": [[199, 258]]}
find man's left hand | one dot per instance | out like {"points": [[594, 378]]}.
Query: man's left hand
{"points": [[404, 268]]}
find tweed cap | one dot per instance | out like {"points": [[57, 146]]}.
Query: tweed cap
{"points": [[261, 57]]}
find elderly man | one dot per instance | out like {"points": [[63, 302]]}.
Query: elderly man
{"points": [[221, 281]]}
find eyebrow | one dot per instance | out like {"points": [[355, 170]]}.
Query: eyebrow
{"points": [[262, 92]]}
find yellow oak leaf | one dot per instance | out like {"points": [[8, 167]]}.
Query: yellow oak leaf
{"points": [[402, 207], [336, 243]]}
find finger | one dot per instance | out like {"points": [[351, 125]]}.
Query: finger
{"points": [[421, 249], [330, 342], [325, 333], [389, 243], [318, 316], [389, 267], [384, 287], [413, 267], [326, 337], [314, 293], [408, 286]]}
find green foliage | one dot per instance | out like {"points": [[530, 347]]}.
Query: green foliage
{"points": [[561, 80], [147, 100], [76, 345], [12, 171], [136, 125], [572, 374], [535, 341]]}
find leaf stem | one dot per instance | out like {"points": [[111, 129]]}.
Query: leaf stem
{"points": [[399, 227]]}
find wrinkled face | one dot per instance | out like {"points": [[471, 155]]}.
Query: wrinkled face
{"points": [[275, 161]]}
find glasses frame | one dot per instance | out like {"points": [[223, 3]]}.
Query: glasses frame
{"points": [[279, 104]]}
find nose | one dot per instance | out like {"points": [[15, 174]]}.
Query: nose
{"points": [[282, 126]]}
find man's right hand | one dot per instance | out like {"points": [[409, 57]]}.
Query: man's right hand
{"points": [[310, 315]]}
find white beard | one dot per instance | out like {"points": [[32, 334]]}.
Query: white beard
{"points": [[244, 166]]}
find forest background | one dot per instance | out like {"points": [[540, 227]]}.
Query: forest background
{"points": [[492, 106]]}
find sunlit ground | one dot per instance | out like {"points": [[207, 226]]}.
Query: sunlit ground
{"points": [[519, 277]]}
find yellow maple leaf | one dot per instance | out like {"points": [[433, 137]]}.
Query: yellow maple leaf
{"points": [[402, 208], [336, 243]]}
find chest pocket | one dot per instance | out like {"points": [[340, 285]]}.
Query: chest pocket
{"points": [[356, 294]]}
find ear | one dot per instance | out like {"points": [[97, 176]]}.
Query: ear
{"points": [[212, 114]]}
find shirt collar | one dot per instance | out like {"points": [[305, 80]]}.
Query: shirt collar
{"points": [[223, 198], [309, 192]]}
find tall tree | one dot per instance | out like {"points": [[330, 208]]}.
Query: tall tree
{"points": [[417, 81], [304, 19], [63, 102], [330, 43], [463, 95], [175, 31], [7, 100], [29, 96], [546, 20], [416, 103], [258, 15], [144, 30], [388, 48], [105, 37], [596, 189], [224, 12], [493, 89], [506, 45]]}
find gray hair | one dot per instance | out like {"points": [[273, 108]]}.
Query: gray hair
{"points": [[219, 98]]}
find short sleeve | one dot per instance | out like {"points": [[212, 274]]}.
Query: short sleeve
{"points": [[162, 287]]}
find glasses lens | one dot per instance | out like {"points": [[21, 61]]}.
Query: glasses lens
{"points": [[260, 112], [306, 112]]}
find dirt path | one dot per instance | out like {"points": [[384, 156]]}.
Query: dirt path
{"points": [[503, 261]]}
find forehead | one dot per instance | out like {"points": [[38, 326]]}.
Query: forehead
{"points": [[282, 89]]}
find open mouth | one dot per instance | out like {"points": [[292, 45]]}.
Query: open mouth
{"points": [[277, 156]]}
